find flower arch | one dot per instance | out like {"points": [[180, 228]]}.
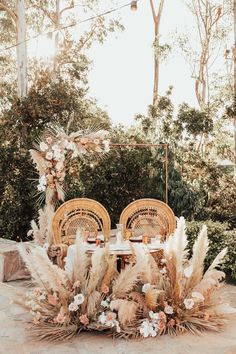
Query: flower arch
{"points": [[52, 151]]}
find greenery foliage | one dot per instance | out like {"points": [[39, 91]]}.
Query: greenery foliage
{"points": [[50, 100], [220, 236]]}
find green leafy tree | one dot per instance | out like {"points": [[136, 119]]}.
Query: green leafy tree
{"points": [[49, 102]]}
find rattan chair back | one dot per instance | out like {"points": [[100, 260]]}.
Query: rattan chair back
{"points": [[85, 214], [149, 217]]}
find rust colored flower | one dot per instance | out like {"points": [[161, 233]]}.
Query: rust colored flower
{"points": [[161, 325], [84, 319], [110, 316], [76, 284], [162, 315], [60, 318], [105, 289], [52, 300], [171, 323]]}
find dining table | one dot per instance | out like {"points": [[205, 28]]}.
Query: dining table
{"points": [[123, 251]]}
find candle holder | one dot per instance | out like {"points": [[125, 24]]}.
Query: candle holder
{"points": [[145, 239], [119, 234], [98, 242], [128, 235]]}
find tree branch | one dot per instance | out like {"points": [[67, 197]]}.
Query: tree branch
{"points": [[71, 6], [153, 10], [47, 13], [10, 12]]}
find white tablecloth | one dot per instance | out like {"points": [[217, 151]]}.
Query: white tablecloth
{"points": [[119, 249]]}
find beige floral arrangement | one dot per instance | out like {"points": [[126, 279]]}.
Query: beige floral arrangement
{"points": [[142, 300], [51, 153]]}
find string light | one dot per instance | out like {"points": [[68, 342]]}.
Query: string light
{"points": [[131, 4]]}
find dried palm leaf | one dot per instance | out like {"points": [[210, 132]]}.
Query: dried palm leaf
{"points": [[93, 300], [126, 280], [60, 191], [126, 310], [151, 296], [81, 262], [197, 325], [39, 160], [143, 256], [54, 333], [46, 274], [97, 270], [111, 272], [218, 260], [200, 249]]}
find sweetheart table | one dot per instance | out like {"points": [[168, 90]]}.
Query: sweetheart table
{"points": [[123, 251]]}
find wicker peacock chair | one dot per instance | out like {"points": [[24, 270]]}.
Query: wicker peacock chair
{"points": [[148, 216], [81, 213], [87, 215]]}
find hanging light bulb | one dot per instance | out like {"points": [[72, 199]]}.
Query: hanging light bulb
{"points": [[133, 5]]}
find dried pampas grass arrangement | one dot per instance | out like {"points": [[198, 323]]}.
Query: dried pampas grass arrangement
{"points": [[142, 300]]}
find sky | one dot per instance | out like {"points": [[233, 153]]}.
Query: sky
{"points": [[121, 75]]}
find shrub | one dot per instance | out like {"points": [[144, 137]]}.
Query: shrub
{"points": [[219, 237]]}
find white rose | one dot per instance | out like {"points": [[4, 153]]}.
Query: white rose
{"points": [[102, 318], [73, 307], [198, 295], [104, 303], [106, 144], [43, 146], [188, 303], [169, 310], [70, 145], [49, 155], [79, 299], [146, 287], [153, 315]]}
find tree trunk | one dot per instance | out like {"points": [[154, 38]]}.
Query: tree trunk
{"points": [[57, 26], [21, 51], [156, 19]]}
